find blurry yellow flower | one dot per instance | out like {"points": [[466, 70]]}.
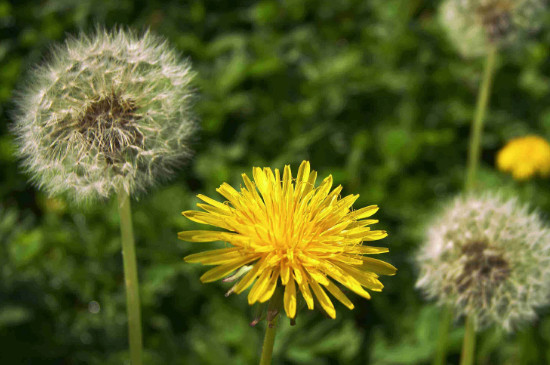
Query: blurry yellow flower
{"points": [[289, 230], [525, 157]]}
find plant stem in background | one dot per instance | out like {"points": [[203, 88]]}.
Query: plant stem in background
{"points": [[273, 309], [130, 278], [469, 344], [445, 320], [474, 153], [477, 125], [528, 347]]}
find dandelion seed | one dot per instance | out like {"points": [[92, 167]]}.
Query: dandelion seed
{"points": [[108, 113], [293, 234], [525, 157], [487, 258], [474, 26]]}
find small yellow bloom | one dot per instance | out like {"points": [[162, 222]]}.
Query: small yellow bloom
{"points": [[290, 232], [525, 157]]}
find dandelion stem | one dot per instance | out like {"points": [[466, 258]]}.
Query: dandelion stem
{"points": [[269, 341], [474, 153], [130, 278], [477, 125], [469, 344], [273, 308], [445, 320]]}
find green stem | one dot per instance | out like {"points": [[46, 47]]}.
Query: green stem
{"points": [[528, 351], [474, 152], [469, 344], [477, 125], [443, 336], [131, 278], [273, 308]]}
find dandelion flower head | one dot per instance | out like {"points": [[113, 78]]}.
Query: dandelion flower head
{"points": [[108, 112], [488, 258], [525, 157], [293, 234], [476, 25]]}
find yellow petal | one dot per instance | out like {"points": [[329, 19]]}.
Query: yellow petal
{"points": [[270, 288], [367, 279], [375, 235], [361, 232], [262, 183], [334, 290], [368, 250], [298, 276], [337, 228], [204, 236], [346, 279], [317, 276], [259, 287], [364, 212], [303, 171], [226, 269], [350, 260], [304, 289], [287, 181], [309, 185], [207, 218], [378, 266], [302, 179], [251, 187], [320, 194], [227, 209], [323, 299], [229, 193], [285, 272], [215, 257], [214, 210], [346, 202], [290, 298], [334, 194], [249, 277]]}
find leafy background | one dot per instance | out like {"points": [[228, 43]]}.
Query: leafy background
{"points": [[369, 91]]}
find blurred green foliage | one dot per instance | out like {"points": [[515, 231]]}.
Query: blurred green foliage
{"points": [[369, 91]]}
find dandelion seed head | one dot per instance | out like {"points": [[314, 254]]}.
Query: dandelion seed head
{"points": [[293, 235], [488, 258], [108, 112], [474, 26]]}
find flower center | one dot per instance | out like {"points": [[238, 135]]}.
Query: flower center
{"points": [[108, 125], [484, 269], [496, 19]]}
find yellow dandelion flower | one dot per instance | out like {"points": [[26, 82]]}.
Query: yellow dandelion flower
{"points": [[525, 157], [293, 234]]}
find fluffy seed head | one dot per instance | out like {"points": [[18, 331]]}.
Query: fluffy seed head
{"points": [[488, 258], [292, 234], [525, 157], [476, 25], [108, 112]]}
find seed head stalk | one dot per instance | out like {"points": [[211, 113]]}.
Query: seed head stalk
{"points": [[469, 344], [130, 278], [474, 153], [443, 331]]}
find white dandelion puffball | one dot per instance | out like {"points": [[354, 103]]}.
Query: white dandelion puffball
{"points": [[476, 25], [488, 258], [108, 113]]}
